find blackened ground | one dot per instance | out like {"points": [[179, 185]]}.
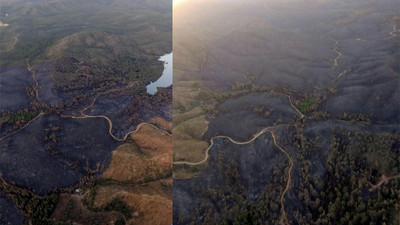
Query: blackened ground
{"points": [[255, 164], [240, 118], [311, 162], [13, 81], [126, 108], [9, 213], [370, 87], [55, 152], [345, 54], [257, 161], [48, 90]]}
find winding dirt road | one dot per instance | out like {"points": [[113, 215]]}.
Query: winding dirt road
{"points": [[255, 136], [339, 76], [111, 125], [36, 85], [212, 144], [336, 63], [36, 88], [231, 140], [283, 219], [85, 116], [110, 128], [335, 49]]}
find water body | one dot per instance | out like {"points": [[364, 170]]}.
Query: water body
{"points": [[166, 78]]}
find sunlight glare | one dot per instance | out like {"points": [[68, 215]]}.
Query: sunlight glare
{"points": [[178, 2]]}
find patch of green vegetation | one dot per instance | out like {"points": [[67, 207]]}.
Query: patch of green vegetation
{"points": [[24, 116], [306, 105]]}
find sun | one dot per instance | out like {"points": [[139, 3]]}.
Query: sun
{"points": [[178, 2]]}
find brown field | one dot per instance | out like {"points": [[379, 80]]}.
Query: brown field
{"points": [[139, 174], [152, 202], [70, 205], [188, 143], [160, 122], [148, 158]]}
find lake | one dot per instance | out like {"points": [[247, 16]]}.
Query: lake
{"points": [[166, 78]]}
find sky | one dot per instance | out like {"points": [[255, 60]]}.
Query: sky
{"points": [[177, 2]]}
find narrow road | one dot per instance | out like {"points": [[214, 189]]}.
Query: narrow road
{"points": [[294, 107], [339, 76], [283, 219], [237, 142], [39, 115], [36, 85], [111, 125], [255, 136], [336, 63], [335, 49], [85, 116], [110, 128], [231, 140]]}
